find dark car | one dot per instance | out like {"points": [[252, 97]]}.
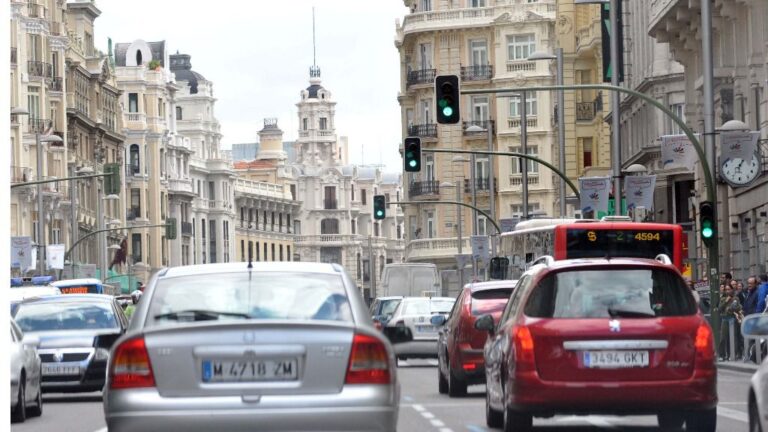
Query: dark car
{"points": [[76, 332], [382, 309], [601, 336], [460, 344]]}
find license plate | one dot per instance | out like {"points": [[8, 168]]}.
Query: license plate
{"points": [[425, 328], [250, 370], [615, 359], [60, 370]]}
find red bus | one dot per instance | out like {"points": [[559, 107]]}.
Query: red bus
{"points": [[586, 238]]}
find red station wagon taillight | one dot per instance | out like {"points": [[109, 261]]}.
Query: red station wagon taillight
{"points": [[704, 344], [130, 366], [524, 349], [368, 361]]}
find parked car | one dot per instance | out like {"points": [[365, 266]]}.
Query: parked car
{"points": [[382, 309], [17, 295], [26, 394], [410, 329], [604, 336], [281, 345], [757, 326], [76, 332], [460, 344]]}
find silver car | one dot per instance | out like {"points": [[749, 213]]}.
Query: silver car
{"points": [[26, 394], [279, 346], [755, 328], [410, 328]]}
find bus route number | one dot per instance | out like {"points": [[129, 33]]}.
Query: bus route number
{"points": [[592, 236], [647, 236]]}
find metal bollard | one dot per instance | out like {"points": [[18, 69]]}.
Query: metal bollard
{"points": [[731, 341]]}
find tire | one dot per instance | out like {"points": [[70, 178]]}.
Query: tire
{"points": [[494, 419], [37, 410], [456, 387], [670, 422], [19, 413], [515, 421], [442, 383], [754, 417], [702, 421]]}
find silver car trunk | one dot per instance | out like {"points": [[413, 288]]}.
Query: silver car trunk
{"points": [[243, 358]]}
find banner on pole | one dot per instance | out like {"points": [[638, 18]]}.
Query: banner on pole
{"points": [[21, 252], [678, 151], [738, 145], [594, 193], [55, 256], [639, 191]]}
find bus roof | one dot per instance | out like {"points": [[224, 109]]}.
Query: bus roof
{"points": [[537, 223], [71, 282]]}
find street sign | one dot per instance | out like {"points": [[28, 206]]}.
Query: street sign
{"points": [[463, 260], [480, 250]]}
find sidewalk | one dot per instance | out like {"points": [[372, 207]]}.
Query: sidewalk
{"points": [[737, 366]]}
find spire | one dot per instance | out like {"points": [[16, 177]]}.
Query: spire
{"points": [[314, 70]]}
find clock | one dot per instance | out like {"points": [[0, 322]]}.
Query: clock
{"points": [[739, 172]]}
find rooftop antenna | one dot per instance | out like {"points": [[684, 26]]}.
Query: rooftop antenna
{"points": [[314, 71]]}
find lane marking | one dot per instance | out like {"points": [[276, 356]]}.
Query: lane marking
{"points": [[476, 428], [448, 404], [407, 398], [418, 408], [101, 430], [437, 423], [427, 415], [446, 430], [733, 414]]}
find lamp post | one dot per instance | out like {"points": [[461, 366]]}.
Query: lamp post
{"points": [[458, 228], [558, 57], [491, 185], [636, 170]]}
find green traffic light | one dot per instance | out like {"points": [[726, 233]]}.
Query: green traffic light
{"points": [[447, 111], [442, 103], [412, 164], [707, 232]]}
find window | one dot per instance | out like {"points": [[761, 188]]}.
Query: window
{"points": [[179, 115], [517, 209], [430, 225], [135, 210], [479, 108], [586, 152], [134, 159], [476, 3], [353, 226], [136, 248], [481, 225], [363, 196], [426, 113], [679, 111], [481, 172], [139, 60], [519, 47], [426, 5], [133, 102], [329, 226], [376, 229], [517, 163], [530, 105], [425, 56], [323, 123], [479, 51], [305, 123]]}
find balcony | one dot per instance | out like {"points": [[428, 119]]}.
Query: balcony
{"points": [[480, 123], [133, 213], [423, 130], [21, 174], [531, 122], [56, 84], [39, 69], [57, 29], [476, 72], [329, 239], [517, 179], [136, 120], [482, 184], [425, 249], [521, 66], [424, 76], [180, 186], [186, 228], [429, 187], [585, 111], [36, 125], [14, 55], [330, 204], [35, 10]]}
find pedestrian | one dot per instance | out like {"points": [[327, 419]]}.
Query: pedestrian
{"points": [[695, 293], [728, 307], [762, 293], [749, 307]]}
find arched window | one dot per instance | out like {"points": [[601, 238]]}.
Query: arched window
{"points": [[329, 226], [178, 113], [138, 58], [134, 159]]}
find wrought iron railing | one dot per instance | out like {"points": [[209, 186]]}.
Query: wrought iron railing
{"points": [[423, 130], [56, 84], [37, 125], [482, 184], [476, 72], [423, 76], [429, 187], [585, 111], [39, 69]]}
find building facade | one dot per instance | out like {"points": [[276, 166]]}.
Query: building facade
{"points": [[739, 38]]}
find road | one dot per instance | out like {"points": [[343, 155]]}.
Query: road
{"points": [[422, 409]]}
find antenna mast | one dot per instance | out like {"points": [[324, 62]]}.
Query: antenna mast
{"points": [[314, 71]]}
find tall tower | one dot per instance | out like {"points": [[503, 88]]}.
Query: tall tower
{"points": [[271, 141]]}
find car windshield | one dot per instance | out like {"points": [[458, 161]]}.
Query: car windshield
{"points": [[388, 306], [423, 280], [427, 306], [490, 301], [62, 315], [249, 295], [610, 293]]}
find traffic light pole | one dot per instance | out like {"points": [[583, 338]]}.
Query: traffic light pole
{"points": [[487, 216], [713, 249], [36, 182]]}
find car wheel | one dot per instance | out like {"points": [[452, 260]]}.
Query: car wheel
{"points": [[754, 417], [442, 383], [456, 387], [515, 421], [19, 413], [37, 410], [702, 421], [493, 418], [670, 422]]}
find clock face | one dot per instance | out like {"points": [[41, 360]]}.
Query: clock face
{"points": [[740, 172]]}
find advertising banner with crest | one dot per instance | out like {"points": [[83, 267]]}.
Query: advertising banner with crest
{"points": [[738, 144], [639, 191], [594, 193], [21, 252], [678, 151]]}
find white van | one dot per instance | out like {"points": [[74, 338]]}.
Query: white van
{"points": [[409, 280]]}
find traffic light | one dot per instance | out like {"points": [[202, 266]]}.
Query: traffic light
{"points": [[707, 222], [170, 229], [447, 99], [379, 207], [608, 64], [112, 181], [412, 154]]}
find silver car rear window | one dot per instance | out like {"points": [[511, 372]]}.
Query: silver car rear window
{"points": [[256, 295], [62, 315]]}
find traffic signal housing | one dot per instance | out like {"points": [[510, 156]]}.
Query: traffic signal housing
{"points": [[707, 222], [170, 229], [447, 99], [379, 207], [412, 154], [112, 181]]}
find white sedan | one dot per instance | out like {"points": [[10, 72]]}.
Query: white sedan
{"points": [[26, 396], [757, 326]]}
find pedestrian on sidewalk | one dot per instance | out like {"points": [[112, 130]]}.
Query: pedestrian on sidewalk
{"points": [[762, 293], [729, 306], [749, 307]]}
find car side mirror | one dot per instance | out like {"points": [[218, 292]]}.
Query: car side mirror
{"points": [[31, 340], [437, 320], [485, 322]]}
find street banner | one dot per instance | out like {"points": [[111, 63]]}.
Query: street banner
{"points": [[21, 252], [639, 191], [594, 193], [678, 151], [738, 145], [480, 250], [55, 256], [462, 260]]}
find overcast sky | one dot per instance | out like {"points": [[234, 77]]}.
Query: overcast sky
{"points": [[258, 56]]}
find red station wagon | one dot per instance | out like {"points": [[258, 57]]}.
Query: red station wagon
{"points": [[601, 336], [460, 344]]}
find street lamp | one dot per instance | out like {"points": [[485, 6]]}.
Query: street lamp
{"points": [[491, 185], [39, 140], [558, 57], [458, 222], [637, 170]]}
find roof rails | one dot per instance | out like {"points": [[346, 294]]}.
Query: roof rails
{"points": [[616, 219], [663, 258], [547, 260]]}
